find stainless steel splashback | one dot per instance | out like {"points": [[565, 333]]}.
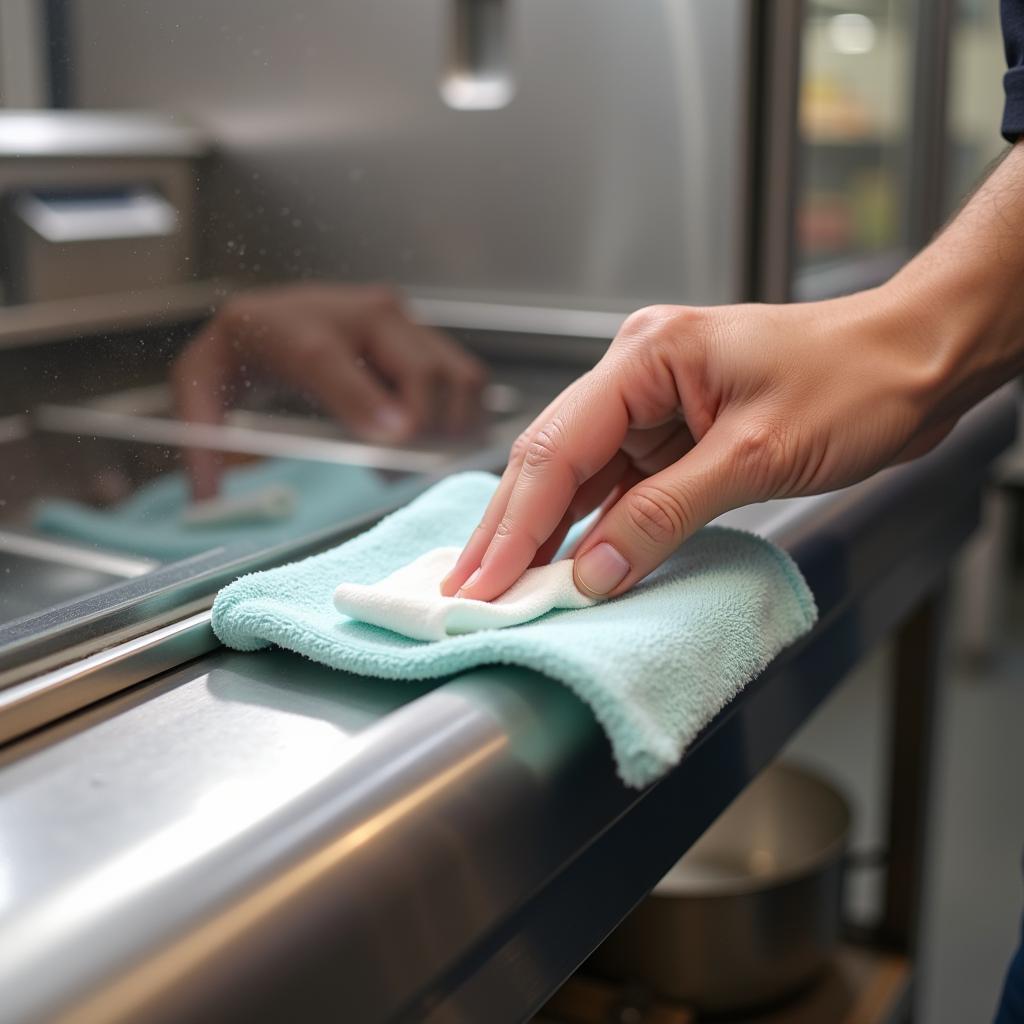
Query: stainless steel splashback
{"points": [[615, 175]]}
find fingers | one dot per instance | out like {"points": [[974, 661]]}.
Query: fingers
{"points": [[643, 452], [469, 560], [346, 386], [354, 351], [438, 382], [568, 447], [652, 450], [401, 358], [657, 514], [586, 499], [199, 379], [461, 378]]}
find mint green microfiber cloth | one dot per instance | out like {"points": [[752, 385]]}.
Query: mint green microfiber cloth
{"points": [[655, 665], [149, 522]]}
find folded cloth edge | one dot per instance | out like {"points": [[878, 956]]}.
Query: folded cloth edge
{"points": [[261, 625]]}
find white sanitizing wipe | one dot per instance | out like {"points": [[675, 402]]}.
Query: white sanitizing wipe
{"points": [[409, 601]]}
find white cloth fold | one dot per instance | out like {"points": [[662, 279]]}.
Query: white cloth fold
{"points": [[409, 601]]}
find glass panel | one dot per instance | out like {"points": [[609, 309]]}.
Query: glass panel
{"points": [[266, 268], [855, 118], [977, 64]]}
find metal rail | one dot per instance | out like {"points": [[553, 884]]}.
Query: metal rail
{"points": [[255, 837]]}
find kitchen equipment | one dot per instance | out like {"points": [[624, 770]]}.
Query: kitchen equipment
{"points": [[94, 203], [752, 913]]}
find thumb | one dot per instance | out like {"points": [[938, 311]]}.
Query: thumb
{"points": [[655, 516]]}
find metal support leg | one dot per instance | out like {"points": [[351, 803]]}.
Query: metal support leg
{"points": [[916, 672]]}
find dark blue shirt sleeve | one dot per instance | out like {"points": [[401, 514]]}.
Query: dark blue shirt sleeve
{"points": [[1013, 83]]}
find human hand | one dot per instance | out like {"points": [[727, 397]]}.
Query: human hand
{"points": [[693, 412], [351, 348]]}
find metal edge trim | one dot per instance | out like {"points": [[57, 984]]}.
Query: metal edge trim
{"points": [[38, 701]]}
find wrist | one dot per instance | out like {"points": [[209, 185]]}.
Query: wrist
{"points": [[957, 327], [961, 297]]}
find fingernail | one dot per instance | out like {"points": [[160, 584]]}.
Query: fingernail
{"points": [[601, 570], [390, 421], [469, 583]]}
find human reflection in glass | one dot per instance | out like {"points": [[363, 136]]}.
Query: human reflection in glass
{"points": [[265, 397]]}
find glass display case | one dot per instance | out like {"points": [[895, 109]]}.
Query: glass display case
{"points": [[234, 243], [172, 186], [855, 131]]}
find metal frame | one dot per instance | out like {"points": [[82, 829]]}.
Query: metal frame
{"points": [[59, 29], [24, 76], [41, 643], [923, 196], [445, 861], [777, 34], [928, 156], [917, 664]]}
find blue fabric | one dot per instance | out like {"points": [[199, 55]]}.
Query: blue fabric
{"points": [[655, 665], [149, 523]]}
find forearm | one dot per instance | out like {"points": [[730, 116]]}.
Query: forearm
{"points": [[695, 411], [963, 296]]}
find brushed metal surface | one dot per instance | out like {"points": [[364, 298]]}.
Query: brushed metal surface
{"points": [[613, 177], [49, 696], [253, 837]]}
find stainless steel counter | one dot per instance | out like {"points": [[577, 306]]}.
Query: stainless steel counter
{"points": [[255, 837]]}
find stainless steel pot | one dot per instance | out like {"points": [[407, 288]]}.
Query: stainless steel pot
{"points": [[752, 912]]}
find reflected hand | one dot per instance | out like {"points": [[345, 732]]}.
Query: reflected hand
{"points": [[693, 412], [352, 349]]}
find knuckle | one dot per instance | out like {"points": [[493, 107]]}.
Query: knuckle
{"points": [[504, 527], [657, 516], [472, 374], [381, 298], [647, 321], [234, 313], [762, 460], [658, 336], [760, 447], [519, 447], [542, 449], [316, 353], [659, 322]]}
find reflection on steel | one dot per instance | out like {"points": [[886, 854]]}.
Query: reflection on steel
{"points": [[409, 187], [342, 848], [27, 705], [46, 550], [759, 894], [42, 575], [13, 428], [78, 133], [228, 438], [496, 316]]}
